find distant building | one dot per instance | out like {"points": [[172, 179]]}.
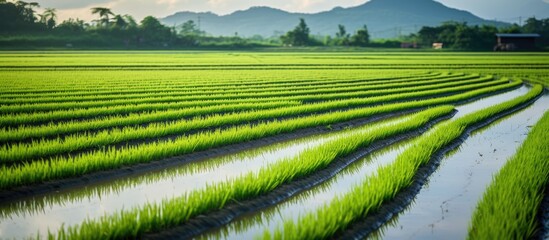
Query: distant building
{"points": [[516, 41], [438, 45]]}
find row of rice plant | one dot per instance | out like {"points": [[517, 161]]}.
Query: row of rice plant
{"points": [[163, 91], [43, 148], [510, 205], [48, 83], [383, 186], [309, 95], [194, 108], [281, 109], [29, 130], [154, 217], [72, 166], [189, 109]]}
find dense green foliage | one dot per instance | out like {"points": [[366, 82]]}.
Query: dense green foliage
{"points": [[510, 205], [299, 36], [22, 27], [462, 36]]}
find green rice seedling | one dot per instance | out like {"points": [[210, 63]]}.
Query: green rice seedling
{"points": [[45, 148], [157, 216], [319, 95], [35, 132], [186, 109], [38, 117], [63, 167], [39, 83], [369, 195], [509, 207], [542, 81], [312, 88]]}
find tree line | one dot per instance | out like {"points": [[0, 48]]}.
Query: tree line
{"points": [[460, 35], [22, 26]]}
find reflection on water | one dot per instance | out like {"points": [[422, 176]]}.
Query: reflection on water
{"points": [[250, 226], [444, 207], [25, 217], [490, 101]]}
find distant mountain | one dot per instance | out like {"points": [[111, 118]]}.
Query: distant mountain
{"points": [[384, 18]]}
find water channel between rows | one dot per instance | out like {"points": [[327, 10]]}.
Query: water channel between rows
{"points": [[444, 206], [27, 217], [253, 225]]}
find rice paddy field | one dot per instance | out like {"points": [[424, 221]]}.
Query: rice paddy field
{"points": [[274, 145]]}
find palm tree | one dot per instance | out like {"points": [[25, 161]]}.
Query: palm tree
{"points": [[26, 9], [130, 21], [49, 15], [119, 22], [104, 14]]}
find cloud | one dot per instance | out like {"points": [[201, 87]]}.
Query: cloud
{"points": [[70, 4]]}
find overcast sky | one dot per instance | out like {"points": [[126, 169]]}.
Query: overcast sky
{"points": [[505, 10]]}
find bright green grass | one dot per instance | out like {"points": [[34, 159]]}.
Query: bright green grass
{"points": [[509, 207], [45, 148], [368, 196], [300, 87], [44, 94], [62, 167], [153, 217], [288, 95]]}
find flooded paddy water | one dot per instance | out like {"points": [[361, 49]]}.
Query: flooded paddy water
{"points": [[26, 217], [445, 204], [253, 225]]}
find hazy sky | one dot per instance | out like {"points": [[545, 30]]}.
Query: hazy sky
{"points": [[506, 10]]}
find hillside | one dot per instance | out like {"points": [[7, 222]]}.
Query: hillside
{"points": [[385, 19]]}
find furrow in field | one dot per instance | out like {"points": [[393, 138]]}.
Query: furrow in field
{"points": [[63, 167], [204, 107], [152, 187], [366, 198], [166, 92], [514, 205], [252, 225], [288, 95], [265, 180], [444, 205], [42, 149], [121, 86]]}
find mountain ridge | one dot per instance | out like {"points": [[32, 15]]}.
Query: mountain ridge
{"points": [[384, 18]]}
